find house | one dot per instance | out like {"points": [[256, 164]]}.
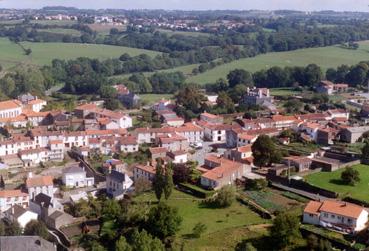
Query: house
{"points": [[257, 96], [325, 136], [10, 108], [128, 98], [338, 215], [40, 184], [222, 172], [178, 157], [117, 184], [146, 172], [339, 114], [20, 215], [22, 243], [211, 118], [172, 142], [240, 154], [352, 134], [129, 144], [216, 132], [158, 152], [76, 176], [57, 219], [311, 129], [327, 87], [9, 198]]}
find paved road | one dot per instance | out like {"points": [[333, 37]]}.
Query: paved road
{"points": [[200, 154]]}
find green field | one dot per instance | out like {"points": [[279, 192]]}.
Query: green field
{"points": [[284, 92], [54, 22], [43, 53], [71, 32], [151, 99], [325, 57], [332, 181], [185, 33], [216, 220]]}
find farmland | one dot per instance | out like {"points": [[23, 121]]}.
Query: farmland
{"points": [[332, 181], [43, 53], [325, 57]]}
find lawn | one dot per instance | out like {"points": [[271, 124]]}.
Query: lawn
{"points": [[185, 33], [71, 32], [325, 57], [284, 92], [332, 182], [43, 53], [216, 220], [151, 99]]}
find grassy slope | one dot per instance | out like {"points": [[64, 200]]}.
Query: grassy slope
{"points": [[62, 31], [332, 182], [326, 57], [44, 53], [151, 99]]}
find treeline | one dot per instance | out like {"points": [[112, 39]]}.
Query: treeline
{"points": [[308, 76]]}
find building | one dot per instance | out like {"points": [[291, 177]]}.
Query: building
{"points": [[146, 172], [117, 184], [9, 198], [352, 134], [40, 184], [221, 172], [211, 118], [20, 215], [243, 153], [76, 176], [178, 157], [300, 163], [57, 219], [257, 96], [128, 98], [337, 215], [129, 144], [327, 87], [22, 243], [10, 108]]}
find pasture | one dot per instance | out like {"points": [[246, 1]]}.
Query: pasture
{"points": [[325, 57], [43, 53], [332, 181]]}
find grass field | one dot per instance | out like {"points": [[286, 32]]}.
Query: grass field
{"points": [[284, 92], [150, 99], [185, 33], [332, 181], [216, 220], [43, 53], [71, 32], [325, 57]]}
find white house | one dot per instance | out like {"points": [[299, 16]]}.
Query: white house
{"points": [[129, 144], [75, 176], [178, 157], [40, 184], [117, 184], [34, 157], [310, 129], [18, 214], [36, 105], [338, 215], [10, 108], [9, 198]]}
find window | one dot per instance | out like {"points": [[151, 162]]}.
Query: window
{"points": [[311, 215], [333, 216], [325, 215]]}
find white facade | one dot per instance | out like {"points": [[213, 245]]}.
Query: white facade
{"points": [[10, 109], [77, 179], [9, 198]]}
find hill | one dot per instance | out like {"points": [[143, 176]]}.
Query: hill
{"points": [[43, 53], [325, 57]]}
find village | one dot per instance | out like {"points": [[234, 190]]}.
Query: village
{"points": [[52, 159]]}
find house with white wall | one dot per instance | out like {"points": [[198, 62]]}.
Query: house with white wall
{"points": [[338, 215], [20, 215], [9, 198], [40, 184], [76, 176]]}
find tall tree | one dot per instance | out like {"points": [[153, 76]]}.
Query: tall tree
{"points": [[35, 227], [159, 181], [168, 181]]}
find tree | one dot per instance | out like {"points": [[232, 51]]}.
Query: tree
{"points": [[191, 98], [350, 176], [293, 106], [198, 229], [110, 210], [239, 76], [142, 241], [168, 181], [35, 227], [13, 229], [264, 151], [364, 153], [108, 92], [285, 230], [122, 245], [225, 103], [312, 75], [225, 196], [111, 104], [159, 182], [142, 185], [2, 183], [163, 221]]}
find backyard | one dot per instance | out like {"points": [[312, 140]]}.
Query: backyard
{"points": [[332, 181]]}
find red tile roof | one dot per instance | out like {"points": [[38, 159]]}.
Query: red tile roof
{"points": [[39, 181], [12, 193]]}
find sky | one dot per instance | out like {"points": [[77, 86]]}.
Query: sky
{"points": [[306, 5]]}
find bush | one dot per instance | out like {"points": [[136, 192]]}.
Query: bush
{"points": [[198, 229], [350, 176], [256, 185], [224, 197]]}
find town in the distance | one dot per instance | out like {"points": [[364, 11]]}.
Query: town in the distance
{"points": [[152, 130]]}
